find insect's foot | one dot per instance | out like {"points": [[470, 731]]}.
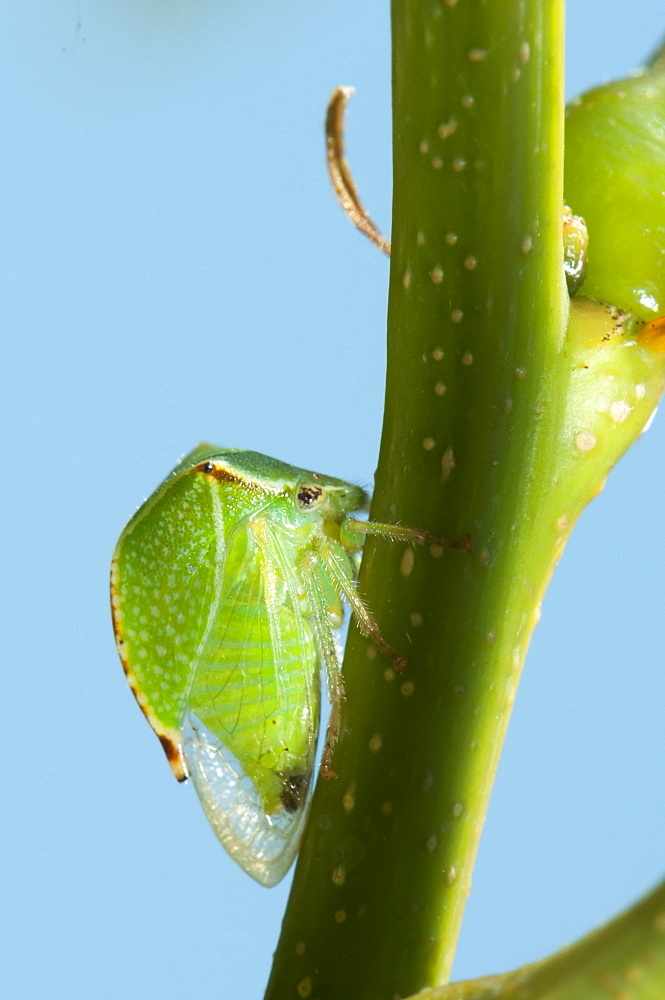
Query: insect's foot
{"points": [[464, 544], [398, 661]]}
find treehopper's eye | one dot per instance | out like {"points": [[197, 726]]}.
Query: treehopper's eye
{"points": [[310, 496]]}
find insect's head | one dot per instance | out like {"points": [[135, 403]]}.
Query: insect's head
{"points": [[329, 498]]}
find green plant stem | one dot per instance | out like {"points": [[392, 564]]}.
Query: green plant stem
{"points": [[476, 320], [624, 960]]}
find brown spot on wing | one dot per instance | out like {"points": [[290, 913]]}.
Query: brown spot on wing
{"points": [[294, 791], [173, 754]]}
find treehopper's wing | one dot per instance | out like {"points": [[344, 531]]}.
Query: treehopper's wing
{"points": [[253, 710]]}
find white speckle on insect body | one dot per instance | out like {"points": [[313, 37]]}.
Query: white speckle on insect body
{"points": [[431, 842], [407, 563], [490, 637], [440, 388], [446, 129], [438, 354], [458, 809], [470, 262], [527, 244], [436, 275], [640, 390], [459, 164], [376, 742], [525, 52], [429, 443], [451, 239], [423, 146], [451, 875], [585, 441], [437, 162], [467, 358], [406, 280], [420, 238], [619, 411], [467, 101], [561, 523]]}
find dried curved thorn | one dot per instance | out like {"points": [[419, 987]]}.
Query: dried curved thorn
{"points": [[340, 174]]}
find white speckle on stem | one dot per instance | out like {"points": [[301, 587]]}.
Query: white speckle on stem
{"points": [[585, 441], [446, 129], [407, 563], [447, 463], [619, 411]]}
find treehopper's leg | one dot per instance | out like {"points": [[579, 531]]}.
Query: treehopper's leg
{"points": [[364, 618], [396, 532], [326, 639]]}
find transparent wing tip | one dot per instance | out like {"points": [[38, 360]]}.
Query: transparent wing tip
{"points": [[264, 845]]}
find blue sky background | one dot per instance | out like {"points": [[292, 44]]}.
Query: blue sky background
{"points": [[175, 268]]}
